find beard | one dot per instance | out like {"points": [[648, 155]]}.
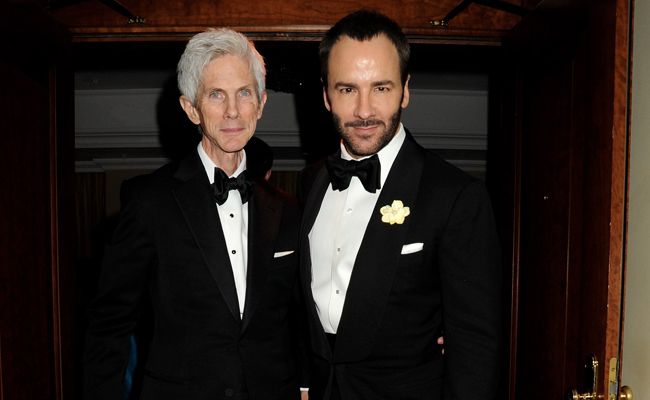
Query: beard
{"points": [[355, 147]]}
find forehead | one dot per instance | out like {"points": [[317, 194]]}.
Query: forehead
{"points": [[349, 54], [227, 70]]}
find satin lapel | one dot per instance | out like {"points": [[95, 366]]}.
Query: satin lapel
{"points": [[310, 212], [264, 214], [314, 200], [377, 260], [197, 205]]}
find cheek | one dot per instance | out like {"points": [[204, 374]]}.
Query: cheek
{"points": [[249, 110], [211, 113], [344, 109], [251, 121], [251, 126], [388, 107]]}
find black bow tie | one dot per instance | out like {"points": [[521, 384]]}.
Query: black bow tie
{"points": [[222, 185], [367, 170]]}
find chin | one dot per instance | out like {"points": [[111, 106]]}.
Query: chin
{"points": [[236, 144], [362, 151]]}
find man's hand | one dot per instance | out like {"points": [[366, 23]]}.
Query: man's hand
{"points": [[304, 395], [441, 342]]}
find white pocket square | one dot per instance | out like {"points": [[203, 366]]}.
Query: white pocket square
{"points": [[282, 253], [412, 248]]}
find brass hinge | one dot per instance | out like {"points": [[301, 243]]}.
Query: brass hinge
{"points": [[612, 381]]}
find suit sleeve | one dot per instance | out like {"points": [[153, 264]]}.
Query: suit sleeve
{"points": [[297, 307], [115, 310], [469, 259]]}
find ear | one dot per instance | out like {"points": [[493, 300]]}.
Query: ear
{"points": [[326, 99], [262, 104], [191, 111], [406, 95]]}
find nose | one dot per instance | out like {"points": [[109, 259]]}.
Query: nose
{"points": [[364, 107], [232, 109]]}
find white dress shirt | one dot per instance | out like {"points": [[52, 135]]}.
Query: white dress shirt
{"points": [[234, 223], [336, 236]]}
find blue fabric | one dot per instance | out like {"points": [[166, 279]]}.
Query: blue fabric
{"points": [[130, 367]]}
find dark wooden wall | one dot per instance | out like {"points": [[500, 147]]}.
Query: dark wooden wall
{"points": [[92, 19], [571, 68], [36, 170]]}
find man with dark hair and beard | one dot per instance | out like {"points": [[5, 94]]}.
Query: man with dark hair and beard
{"points": [[398, 246]]}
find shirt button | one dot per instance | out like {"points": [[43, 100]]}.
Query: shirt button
{"points": [[229, 392], [234, 252], [232, 215], [349, 210], [337, 291], [338, 249]]}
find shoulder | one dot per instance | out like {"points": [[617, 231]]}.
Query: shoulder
{"points": [[150, 184], [307, 177], [461, 190], [442, 179], [273, 194], [436, 170], [444, 171], [276, 202]]}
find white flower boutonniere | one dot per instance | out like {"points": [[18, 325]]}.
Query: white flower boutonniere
{"points": [[395, 213]]}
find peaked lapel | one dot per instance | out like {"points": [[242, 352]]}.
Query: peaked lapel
{"points": [[200, 211], [264, 216], [378, 259], [310, 212]]}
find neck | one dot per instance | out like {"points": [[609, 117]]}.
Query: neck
{"points": [[228, 162]]}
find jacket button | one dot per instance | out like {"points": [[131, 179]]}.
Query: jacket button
{"points": [[229, 392]]}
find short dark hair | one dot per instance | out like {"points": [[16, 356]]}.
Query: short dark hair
{"points": [[364, 25]]}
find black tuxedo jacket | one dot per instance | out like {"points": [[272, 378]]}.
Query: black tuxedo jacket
{"points": [[169, 246], [398, 304]]}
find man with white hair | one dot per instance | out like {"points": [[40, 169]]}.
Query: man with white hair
{"points": [[212, 250]]}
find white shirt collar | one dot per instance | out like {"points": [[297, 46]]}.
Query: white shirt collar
{"points": [[386, 155], [209, 165]]}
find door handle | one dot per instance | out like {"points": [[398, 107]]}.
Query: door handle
{"points": [[625, 393], [591, 370]]}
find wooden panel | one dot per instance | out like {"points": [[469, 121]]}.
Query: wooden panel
{"points": [[574, 77], [92, 20], [25, 257], [34, 293], [546, 206]]}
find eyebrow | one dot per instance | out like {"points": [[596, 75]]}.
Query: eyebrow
{"points": [[219, 89], [386, 82], [344, 84]]}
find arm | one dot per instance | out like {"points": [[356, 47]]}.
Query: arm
{"points": [[114, 312], [471, 285]]}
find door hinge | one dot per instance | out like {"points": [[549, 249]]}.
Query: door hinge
{"points": [[613, 379]]}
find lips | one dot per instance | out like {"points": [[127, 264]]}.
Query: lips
{"points": [[232, 130], [365, 123], [366, 128]]}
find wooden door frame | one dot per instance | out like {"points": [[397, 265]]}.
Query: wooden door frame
{"points": [[606, 167]]}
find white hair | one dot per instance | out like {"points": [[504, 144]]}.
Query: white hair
{"points": [[205, 47]]}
